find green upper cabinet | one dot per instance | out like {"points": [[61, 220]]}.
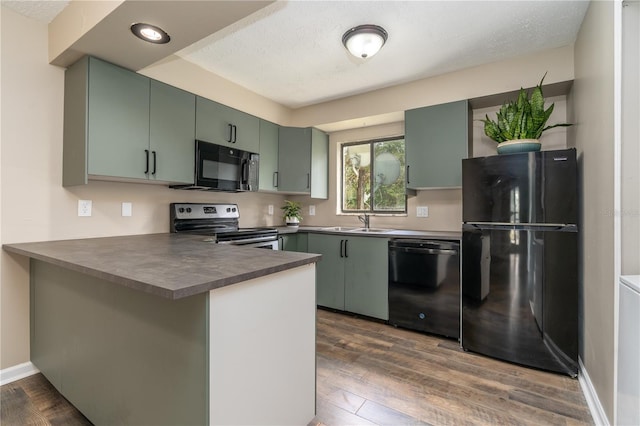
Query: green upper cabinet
{"points": [[294, 160], [436, 140], [319, 164], [172, 133], [222, 125], [303, 161], [268, 156], [122, 125], [118, 120]]}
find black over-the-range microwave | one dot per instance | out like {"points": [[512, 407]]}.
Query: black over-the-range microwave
{"points": [[224, 168]]}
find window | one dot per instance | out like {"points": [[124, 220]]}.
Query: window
{"points": [[376, 186]]}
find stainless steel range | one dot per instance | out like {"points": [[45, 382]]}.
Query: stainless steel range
{"points": [[219, 224]]}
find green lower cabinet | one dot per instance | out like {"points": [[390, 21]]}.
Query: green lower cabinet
{"points": [[329, 271], [366, 279], [353, 273]]}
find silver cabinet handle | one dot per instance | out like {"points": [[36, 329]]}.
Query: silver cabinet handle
{"points": [[275, 179]]}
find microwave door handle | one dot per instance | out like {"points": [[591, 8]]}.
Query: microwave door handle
{"points": [[245, 171]]}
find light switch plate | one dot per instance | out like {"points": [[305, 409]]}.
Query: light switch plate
{"points": [[127, 209], [84, 207], [312, 210], [270, 209], [422, 211]]}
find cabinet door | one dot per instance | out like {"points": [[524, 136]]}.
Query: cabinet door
{"points": [[319, 164], [118, 121], [219, 124], [289, 242], [436, 141], [268, 156], [366, 277], [329, 270], [294, 159], [172, 134]]}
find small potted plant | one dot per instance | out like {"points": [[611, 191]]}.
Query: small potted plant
{"points": [[292, 213], [520, 124]]}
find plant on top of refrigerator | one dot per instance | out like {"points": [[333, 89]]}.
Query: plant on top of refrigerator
{"points": [[523, 119]]}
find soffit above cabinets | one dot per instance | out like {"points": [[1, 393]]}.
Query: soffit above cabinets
{"points": [[291, 52]]}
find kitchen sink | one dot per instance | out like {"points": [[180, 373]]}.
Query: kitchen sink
{"points": [[339, 228], [372, 230]]}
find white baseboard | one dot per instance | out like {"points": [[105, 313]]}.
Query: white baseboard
{"points": [[593, 402], [17, 372]]}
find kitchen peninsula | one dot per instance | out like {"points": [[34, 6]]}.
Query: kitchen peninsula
{"points": [[168, 329]]}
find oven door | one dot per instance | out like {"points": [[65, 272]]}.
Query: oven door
{"points": [[221, 168]]}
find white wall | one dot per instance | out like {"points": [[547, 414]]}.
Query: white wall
{"points": [[35, 206], [630, 150], [593, 136]]}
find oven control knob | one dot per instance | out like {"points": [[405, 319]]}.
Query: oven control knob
{"points": [[228, 209], [181, 209], [233, 209], [188, 209]]}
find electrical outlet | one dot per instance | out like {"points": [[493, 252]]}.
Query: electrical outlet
{"points": [[270, 209], [127, 209], [312, 210], [422, 211], [84, 207]]}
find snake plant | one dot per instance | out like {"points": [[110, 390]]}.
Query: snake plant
{"points": [[522, 119]]}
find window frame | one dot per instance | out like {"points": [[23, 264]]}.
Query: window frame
{"points": [[371, 143]]}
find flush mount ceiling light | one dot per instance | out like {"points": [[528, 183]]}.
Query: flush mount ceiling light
{"points": [[364, 41], [150, 33]]}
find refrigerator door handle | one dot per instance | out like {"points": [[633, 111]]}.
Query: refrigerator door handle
{"points": [[562, 227]]}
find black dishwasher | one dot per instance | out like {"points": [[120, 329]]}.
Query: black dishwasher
{"points": [[424, 285]]}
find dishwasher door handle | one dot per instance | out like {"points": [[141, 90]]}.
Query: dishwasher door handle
{"points": [[421, 250]]}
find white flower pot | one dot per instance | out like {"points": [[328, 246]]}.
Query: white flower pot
{"points": [[292, 221]]}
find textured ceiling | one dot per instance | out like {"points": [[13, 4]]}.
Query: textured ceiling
{"points": [[291, 51], [43, 11]]}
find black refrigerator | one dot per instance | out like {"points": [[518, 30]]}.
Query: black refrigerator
{"points": [[520, 259]]}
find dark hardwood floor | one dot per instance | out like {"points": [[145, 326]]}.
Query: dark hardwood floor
{"points": [[370, 373]]}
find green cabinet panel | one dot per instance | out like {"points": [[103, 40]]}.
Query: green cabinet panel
{"points": [[119, 124], [366, 274], [288, 242], [329, 270], [293, 242], [303, 242], [352, 274], [436, 141], [319, 164], [118, 121], [303, 161], [172, 133], [268, 156], [294, 159], [222, 125]]}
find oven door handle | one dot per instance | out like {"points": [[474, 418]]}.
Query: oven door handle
{"points": [[248, 240]]}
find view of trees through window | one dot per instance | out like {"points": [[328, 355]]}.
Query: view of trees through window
{"points": [[374, 185]]}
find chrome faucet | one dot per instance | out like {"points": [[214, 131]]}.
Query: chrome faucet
{"points": [[364, 219]]}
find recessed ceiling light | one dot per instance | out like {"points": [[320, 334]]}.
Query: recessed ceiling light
{"points": [[364, 41], [150, 33]]}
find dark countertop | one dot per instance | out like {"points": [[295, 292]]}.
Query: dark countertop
{"points": [[167, 265], [391, 233]]}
